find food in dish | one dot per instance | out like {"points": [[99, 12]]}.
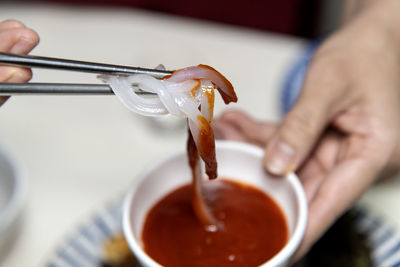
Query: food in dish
{"points": [[188, 93], [255, 228], [218, 223]]}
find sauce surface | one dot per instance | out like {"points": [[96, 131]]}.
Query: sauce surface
{"points": [[254, 227]]}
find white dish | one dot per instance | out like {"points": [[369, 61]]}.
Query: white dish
{"points": [[236, 161], [12, 194]]}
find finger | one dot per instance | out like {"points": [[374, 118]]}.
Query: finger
{"points": [[15, 74], [301, 128], [338, 192], [256, 131], [311, 177], [227, 131], [10, 24], [295, 137], [324, 94], [18, 40], [320, 163]]}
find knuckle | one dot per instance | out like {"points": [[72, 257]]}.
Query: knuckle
{"points": [[12, 24], [301, 125]]}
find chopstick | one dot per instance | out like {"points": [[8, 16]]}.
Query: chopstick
{"points": [[69, 65], [74, 65], [59, 89]]}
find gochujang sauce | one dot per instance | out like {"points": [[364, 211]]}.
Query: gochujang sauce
{"points": [[254, 227]]}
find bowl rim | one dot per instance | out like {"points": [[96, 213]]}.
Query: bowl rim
{"points": [[15, 203], [281, 257]]}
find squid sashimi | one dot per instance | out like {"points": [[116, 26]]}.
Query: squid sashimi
{"points": [[188, 93]]}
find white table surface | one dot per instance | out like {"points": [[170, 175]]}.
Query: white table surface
{"points": [[81, 151]]}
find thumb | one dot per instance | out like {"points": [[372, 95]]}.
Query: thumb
{"points": [[298, 133]]}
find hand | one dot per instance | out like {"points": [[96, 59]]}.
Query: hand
{"points": [[344, 129], [17, 39]]}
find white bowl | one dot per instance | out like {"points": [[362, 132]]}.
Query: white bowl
{"points": [[236, 161], [12, 193]]}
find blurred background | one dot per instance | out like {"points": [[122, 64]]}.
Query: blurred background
{"points": [[303, 18], [81, 152]]}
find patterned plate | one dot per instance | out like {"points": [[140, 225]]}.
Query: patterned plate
{"points": [[383, 239], [86, 246]]}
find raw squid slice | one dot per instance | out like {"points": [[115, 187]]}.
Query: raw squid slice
{"points": [[206, 72], [189, 93], [122, 88]]}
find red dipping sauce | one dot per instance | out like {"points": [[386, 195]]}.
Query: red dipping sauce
{"points": [[254, 231]]}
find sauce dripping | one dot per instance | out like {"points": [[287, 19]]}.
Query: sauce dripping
{"points": [[199, 204]]}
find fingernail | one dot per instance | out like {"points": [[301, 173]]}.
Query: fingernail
{"points": [[280, 159]]}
